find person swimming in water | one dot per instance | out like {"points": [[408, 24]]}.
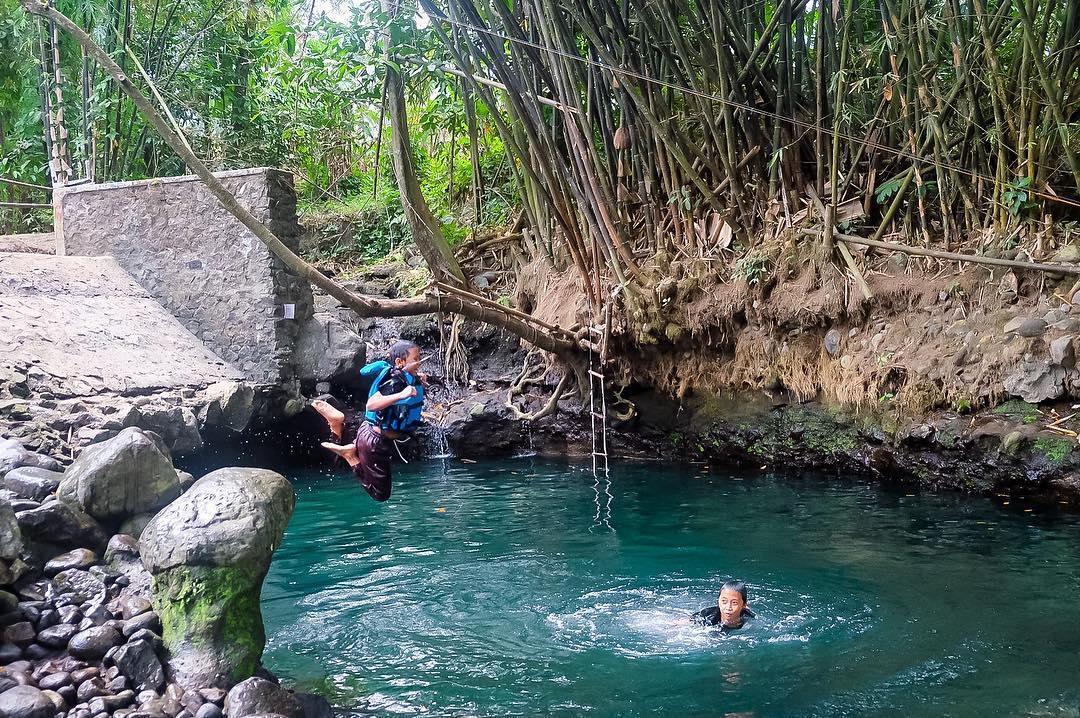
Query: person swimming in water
{"points": [[730, 612], [393, 412]]}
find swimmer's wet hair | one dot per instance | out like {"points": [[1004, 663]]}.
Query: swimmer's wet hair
{"points": [[401, 350], [733, 586]]}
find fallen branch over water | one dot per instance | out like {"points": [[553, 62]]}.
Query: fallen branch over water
{"points": [[362, 305]]}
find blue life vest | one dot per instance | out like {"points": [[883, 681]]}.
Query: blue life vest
{"points": [[403, 416]]}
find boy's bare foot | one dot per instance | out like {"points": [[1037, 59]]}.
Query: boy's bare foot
{"points": [[345, 451], [333, 417]]}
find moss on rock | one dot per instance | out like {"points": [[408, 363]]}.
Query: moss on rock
{"points": [[211, 613], [1055, 450]]}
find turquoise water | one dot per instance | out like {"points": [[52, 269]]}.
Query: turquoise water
{"points": [[523, 588]]}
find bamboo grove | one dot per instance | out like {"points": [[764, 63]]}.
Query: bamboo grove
{"points": [[734, 137], [691, 127]]}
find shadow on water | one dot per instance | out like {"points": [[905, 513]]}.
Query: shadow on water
{"points": [[526, 587]]}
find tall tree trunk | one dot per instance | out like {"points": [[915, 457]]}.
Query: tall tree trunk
{"points": [[242, 69], [426, 232]]}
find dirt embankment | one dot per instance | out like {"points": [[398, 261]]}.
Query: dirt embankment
{"points": [[947, 377]]}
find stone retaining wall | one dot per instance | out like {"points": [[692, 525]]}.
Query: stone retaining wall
{"points": [[206, 268]]}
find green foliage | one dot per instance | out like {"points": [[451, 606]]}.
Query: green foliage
{"points": [[962, 404], [752, 268], [887, 189], [22, 151], [1017, 196], [1018, 410], [1053, 449], [255, 84]]}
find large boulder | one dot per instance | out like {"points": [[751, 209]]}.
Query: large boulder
{"points": [[481, 427], [1035, 381], [208, 553], [328, 350], [229, 404], [176, 425], [57, 524], [13, 455], [32, 482], [258, 696], [126, 475]]}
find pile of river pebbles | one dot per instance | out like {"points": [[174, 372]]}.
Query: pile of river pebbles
{"points": [[79, 645]]}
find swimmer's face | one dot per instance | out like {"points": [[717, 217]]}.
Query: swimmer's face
{"points": [[731, 605], [411, 362]]}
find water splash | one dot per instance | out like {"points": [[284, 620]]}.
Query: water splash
{"points": [[438, 436], [642, 622]]}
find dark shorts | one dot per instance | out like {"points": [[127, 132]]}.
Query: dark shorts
{"points": [[375, 453]]}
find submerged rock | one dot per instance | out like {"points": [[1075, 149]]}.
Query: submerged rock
{"points": [[127, 475], [209, 552], [314, 706]]}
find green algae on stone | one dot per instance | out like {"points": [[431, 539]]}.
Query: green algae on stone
{"points": [[1019, 410], [213, 609], [208, 553], [1053, 449], [1012, 442]]}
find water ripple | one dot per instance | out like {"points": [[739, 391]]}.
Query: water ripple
{"points": [[491, 590]]}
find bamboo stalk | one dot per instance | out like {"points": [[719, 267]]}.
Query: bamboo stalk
{"points": [[27, 185], [951, 256], [25, 205]]}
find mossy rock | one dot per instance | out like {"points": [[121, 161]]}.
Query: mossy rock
{"points": [[1018, 410], [208, 553], [1055, 450], [211, 622]]}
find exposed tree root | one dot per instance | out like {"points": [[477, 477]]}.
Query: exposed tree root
{"points": [[530, 375]]}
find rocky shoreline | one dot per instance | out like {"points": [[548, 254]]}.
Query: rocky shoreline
{"points": [[96, 622]]}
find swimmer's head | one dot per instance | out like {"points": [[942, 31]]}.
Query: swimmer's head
{"points": [[405, 356], [732, 602]]}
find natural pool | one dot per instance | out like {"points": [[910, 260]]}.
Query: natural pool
{"points": [[524, 588]]}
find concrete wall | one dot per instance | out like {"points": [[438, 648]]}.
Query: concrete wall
{"points": [[190, 254]]}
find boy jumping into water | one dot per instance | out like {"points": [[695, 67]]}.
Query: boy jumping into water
{"points": [[393, 412], [730, 611]]}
